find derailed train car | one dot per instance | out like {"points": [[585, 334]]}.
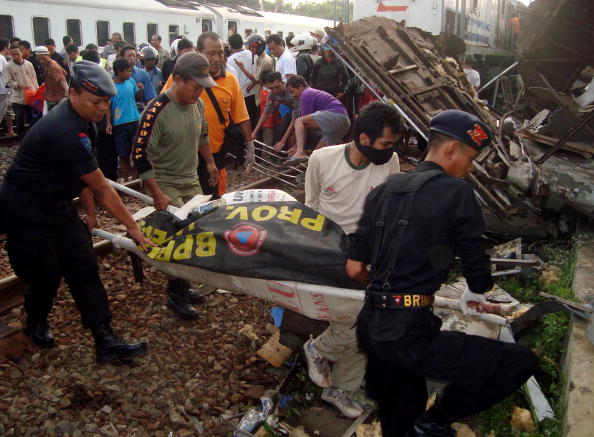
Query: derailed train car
{"points": [[484, 25]]}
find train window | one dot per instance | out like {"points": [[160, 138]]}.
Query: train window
{"points": [[73, 31], [267, 33], [248, 32], [129, 34], [280, 33], [231, 28], [6, 27], [152, 29], [474, 5], [173, 32], [206, 25], [41, 30], [102, 33]]}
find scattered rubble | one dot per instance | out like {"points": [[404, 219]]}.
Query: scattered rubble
{"points": [[536, 168], [521, 420]]}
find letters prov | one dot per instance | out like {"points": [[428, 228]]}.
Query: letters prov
{"points": [[204, 244]]}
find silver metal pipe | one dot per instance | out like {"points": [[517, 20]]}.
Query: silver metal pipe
{"points": [[370, 88], [130, 192], [497, 77]]}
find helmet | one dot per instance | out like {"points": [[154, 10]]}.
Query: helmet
{"points": [[257, 41], [303, 41]]}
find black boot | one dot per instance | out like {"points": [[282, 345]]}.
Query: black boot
{"points": [[197, 295], [424, 427], [178, 299], [39, 332], [110, 347], [434, 423]]}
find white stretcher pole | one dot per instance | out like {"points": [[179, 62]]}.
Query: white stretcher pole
{"points": [[130, 192], [118, 240]]}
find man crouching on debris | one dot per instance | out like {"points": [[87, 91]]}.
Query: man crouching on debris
{"points": [[411, 229], [336, 182]]}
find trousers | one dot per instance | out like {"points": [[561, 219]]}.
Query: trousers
{"points": [[403, 347], [180, 194], [107, 158], [23, 115], [338, 344], [45, 245]]}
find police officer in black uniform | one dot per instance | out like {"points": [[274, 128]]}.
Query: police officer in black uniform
{"points": [[46, 239], [411, 229]]}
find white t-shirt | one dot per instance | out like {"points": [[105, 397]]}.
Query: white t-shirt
{"points": [[473, 77], [3, 64], [231, 69], [285, 64], [337, 189], [249, 63]]}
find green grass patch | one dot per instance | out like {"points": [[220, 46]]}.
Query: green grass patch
{"points": [[547, 338]]}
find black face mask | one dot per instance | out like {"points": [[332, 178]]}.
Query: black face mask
{"points": [[377, 157]]}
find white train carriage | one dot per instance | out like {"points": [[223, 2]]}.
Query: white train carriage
{"points": [[92, 21], [247, 21]]}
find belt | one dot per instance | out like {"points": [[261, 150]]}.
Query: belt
{"points": [[399, 301]]}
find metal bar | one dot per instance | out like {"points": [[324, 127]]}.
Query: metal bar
{"points": [[370, 88], [274, 176], [273, 171], [497, 77], [495, 93], [266, 146], [566, 138], [561, 102], [130, 192]]}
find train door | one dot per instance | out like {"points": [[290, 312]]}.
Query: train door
{"points": [[74, 30], [151, 29], [232, 27], [173, 32], [207, 25], [6, 26], [103, 35], [41, 30]]}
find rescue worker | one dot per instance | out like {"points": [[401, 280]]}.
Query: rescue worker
{"points": [[303, 43], [171, 134], [46, 239], [411, 229]]}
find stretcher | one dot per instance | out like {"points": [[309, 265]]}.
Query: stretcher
{"points": [[316, 301]]}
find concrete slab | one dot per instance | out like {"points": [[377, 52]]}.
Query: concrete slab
{"points": [[579, 415]]}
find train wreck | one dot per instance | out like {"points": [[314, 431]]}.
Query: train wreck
{"points": [[540, 165]]}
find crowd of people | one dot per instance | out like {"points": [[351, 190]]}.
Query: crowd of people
{"points": [[172, 119]]}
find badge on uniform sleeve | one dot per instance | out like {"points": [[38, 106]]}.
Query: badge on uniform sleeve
{"points": [[86, 142]]}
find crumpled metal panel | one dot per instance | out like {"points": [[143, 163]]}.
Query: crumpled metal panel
{"points": [[557, 43]]}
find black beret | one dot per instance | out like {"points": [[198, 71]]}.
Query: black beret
{"points": [[93, 78], [462, 126]]}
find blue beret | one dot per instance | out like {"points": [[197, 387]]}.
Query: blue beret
{"points": [[93, 78], [463, 127]]}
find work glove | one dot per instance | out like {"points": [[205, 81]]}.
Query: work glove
{"points": [[250, 158], [469, 296]]}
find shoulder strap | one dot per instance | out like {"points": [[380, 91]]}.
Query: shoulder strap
{"points": [[145, 129], [399, 183], [215, 103]]}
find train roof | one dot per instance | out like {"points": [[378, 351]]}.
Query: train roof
{"points": [[316, 23], [159, 6]]}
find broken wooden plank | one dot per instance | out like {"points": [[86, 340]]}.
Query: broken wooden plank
{"points": [[570, 146], [403, 69]]}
